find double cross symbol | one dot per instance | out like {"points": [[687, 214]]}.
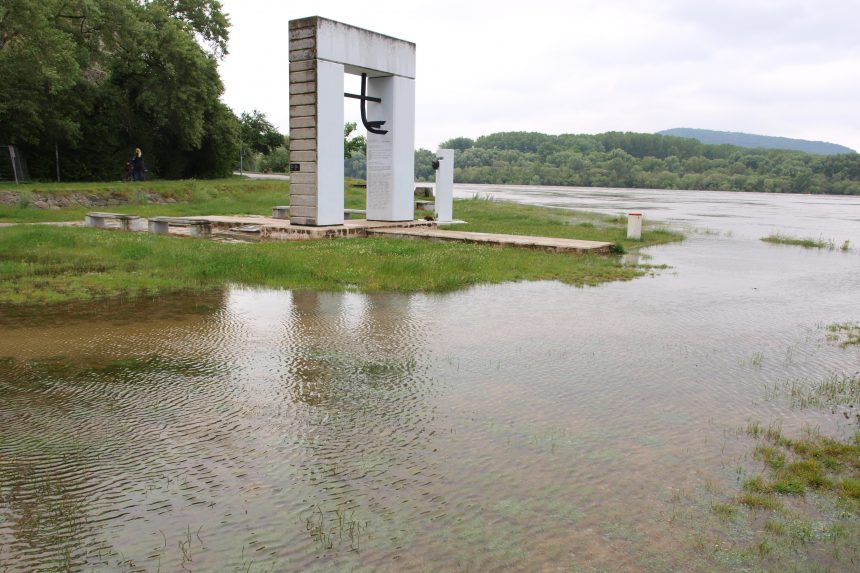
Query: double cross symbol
{"points": [[371, 126]]}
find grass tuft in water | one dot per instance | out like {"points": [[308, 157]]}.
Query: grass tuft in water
{"points": [[805, 242], [813, 462], [844, 333]]}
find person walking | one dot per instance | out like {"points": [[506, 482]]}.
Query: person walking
{"points": [[138, 169]]}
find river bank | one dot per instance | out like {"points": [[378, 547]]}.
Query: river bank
{"points": [[52, 264]]}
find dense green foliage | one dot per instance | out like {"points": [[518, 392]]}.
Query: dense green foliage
{"points": [[258, 134], [757, 141], [262, 146], [353, 144], [94, 79], [642, 160]]}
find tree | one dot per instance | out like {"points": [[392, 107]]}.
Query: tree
{"points": [[355, 144], [258, 133], [97, 78], [424, 165], [458, 144]]}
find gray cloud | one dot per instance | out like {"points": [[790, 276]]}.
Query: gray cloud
{"points": [[777, 67]]}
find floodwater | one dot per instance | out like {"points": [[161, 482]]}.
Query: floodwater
{"points": [[522, 427]]}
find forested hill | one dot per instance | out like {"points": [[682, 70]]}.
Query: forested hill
{"points": [[759, 141], [643, 160]]}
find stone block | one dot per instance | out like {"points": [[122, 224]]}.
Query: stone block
{"points": [[309, 22], [303, 133], [304, 221], [303, 145], [297, 178], [301, 156], [299, 33], [303, 99], [303, 110], [303, 88], [299, 55], [302, 189], [309, 121], [302, 200], [305, 167], [303, 76], [303, 65], [303, 43], [302, 211]]}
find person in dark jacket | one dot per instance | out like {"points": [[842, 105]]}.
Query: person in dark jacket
{"points": [[138, 169]]}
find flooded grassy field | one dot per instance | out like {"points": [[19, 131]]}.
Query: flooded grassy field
{"points": [[523, 427]]}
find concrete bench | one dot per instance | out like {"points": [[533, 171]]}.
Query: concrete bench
{"points": [[425, 205], [98, 220], [283, 212], [353, 213], [196, 227], [423, 191]]}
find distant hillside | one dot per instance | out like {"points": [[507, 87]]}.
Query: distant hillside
{"points": [[761, 141], [642, 160]]}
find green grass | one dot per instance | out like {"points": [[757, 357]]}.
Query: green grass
{"points": [[54, 264], [805, 242], [812, 462], [846, 333], [234, 196], [187, 197], [57, 264]]}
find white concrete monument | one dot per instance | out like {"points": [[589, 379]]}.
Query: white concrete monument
{"points": [[321, 51], [444, 192]]}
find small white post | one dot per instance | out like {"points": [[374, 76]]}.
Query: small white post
{"points": [[444, 194], [634, 226]]}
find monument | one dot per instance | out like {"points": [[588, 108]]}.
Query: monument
{"points": [[444, 191], [321, 51]]}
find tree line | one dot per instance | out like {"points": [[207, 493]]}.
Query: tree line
{"points": [[617, 159]]}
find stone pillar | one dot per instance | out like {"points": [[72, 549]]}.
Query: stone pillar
{"points": [[445, 186], [316, 131], [391, 157]]}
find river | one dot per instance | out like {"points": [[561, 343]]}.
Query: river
{"points": [[524, 426]]}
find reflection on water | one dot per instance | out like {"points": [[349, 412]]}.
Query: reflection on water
{"points": [[529, 426]]}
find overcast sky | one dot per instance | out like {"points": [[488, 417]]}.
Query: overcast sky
{"points": [[774, 67]]}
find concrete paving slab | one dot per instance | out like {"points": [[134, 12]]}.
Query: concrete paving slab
{"points": [[547, 243], [282, 229]]}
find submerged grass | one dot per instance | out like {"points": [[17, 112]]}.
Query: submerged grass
{"points": [[805, 242], [796, 466], [845, 333], [798, 511]]}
